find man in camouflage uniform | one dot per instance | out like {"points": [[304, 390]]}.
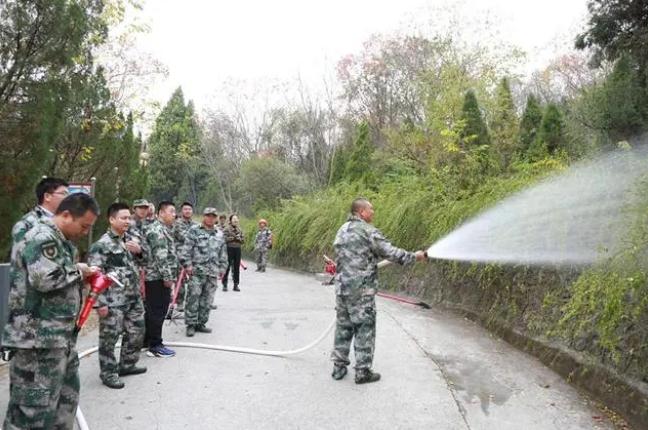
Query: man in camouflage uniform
{"points": [[359, 246], [138, 221], [120, 307], [161, 273], [49, 194], [204, 256], [180, 229], [262, 243], [45, 295]]}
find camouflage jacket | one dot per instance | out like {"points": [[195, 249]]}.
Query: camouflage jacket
{"points": [[263, 240], [27, 222], [180, 229], [233, 235], [137, 233], [161, 258], [110, 254], [45, 290], [359, 246], [204, 249]]}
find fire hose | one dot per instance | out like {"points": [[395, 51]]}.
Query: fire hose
{"points": [[80, 418]]}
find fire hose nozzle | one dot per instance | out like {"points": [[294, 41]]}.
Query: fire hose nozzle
{"points": [[99, 282]]}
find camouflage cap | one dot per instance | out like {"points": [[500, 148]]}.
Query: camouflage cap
{"points": [[140, 202], [210, 211]]}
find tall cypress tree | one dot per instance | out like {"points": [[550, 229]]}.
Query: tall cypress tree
{"points": [[474, 132], [358, 166], [530, 124], [504, 126], [172, 145], [551, 129]]}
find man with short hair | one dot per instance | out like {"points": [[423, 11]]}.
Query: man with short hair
{"points": [[181, 227], [135, 235], [49, 194], [161, 273], [150, 214], [204, 257], [120, 307], [359, 246], [45, 296]]}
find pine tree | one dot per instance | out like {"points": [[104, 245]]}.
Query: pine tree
{"points": [[530, 124], [624, 105], [551, 129], [173, 147], [474, 132], [358, 167], [504, 124]]}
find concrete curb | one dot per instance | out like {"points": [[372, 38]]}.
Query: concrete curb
{"points": [[618, 393]]}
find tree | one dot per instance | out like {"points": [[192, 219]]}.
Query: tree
{"points": [[504, 124], [174, 149], [617, 28], [475, 131], [551, 129], [42, 45], [358, 167], [265, 181], [530, 123]]}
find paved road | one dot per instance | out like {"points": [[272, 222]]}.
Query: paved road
{"points": [[439, 372]]}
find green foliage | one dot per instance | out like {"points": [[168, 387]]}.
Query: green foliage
{"points": [[45, 55], [174, 147], [474, 132], [530, 124], [264, 182], [611, 297], [617, 28], [551, 134], [414, 211], [358, 167], [504, 124]]}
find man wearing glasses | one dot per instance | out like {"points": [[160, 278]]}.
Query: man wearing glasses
{"points": [[49, 194]]}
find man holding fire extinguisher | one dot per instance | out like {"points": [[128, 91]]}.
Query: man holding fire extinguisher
{"points": [[44, 302]]}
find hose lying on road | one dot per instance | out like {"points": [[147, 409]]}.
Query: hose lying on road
{"points": [[80, 418], [83, 425]]}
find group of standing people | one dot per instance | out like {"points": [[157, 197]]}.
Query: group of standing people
{"points": [[147, 252], [47, 282]]}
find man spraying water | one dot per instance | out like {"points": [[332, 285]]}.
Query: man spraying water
{"points": [[359, 246]]}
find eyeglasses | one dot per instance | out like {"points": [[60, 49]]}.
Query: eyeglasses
{"points": [[61, 193]]}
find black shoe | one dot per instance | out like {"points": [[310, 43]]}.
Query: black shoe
{"points": [[113, 382], [258, 269], [213, 307], [190, 331], [236, 288], [203, 329], [262, 270], [224, 287], [339, 372], [133, 370], [366, 377]]}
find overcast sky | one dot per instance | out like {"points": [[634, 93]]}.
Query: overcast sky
{"points": [[204, 42]]}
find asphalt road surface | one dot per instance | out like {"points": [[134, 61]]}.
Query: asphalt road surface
{"points": [[439, 371]]}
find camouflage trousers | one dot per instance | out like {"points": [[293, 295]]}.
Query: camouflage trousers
{"points": [[44, 390], [183, 291], [261, 258], [199, 299], [128, 322], [356, 320]]}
